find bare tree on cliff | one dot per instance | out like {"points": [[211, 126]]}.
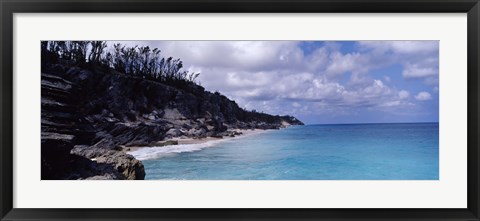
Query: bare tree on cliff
{"points": [[136, 61], [96, 51], [79, 51]]}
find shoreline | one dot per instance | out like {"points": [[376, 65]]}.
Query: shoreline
{"points": [[173, 142]]}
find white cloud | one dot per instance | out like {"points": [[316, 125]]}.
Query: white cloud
{"points": [[235, 79], [401, 47], [296, 104], [423, 96], [418, 58], [403, 94], [277, 77], [414, 47], [239, 55], [416, 71], [341, 63]]}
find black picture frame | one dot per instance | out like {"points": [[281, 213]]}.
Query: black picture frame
{"points": [[9, 7]]}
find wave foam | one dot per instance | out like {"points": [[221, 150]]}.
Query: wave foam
{"points": [[158, 152], [148, 153]]}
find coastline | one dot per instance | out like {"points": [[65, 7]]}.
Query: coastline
{"points": [[337, 152], [94, 112], [178, 145]]}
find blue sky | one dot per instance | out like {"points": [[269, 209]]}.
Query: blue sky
{"points": [[319, 82]]}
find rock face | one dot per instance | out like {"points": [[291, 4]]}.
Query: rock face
{"points": [[58, 122], [67, 136], [88, 113]]}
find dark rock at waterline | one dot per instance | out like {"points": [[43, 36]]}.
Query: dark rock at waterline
{"points": [[120, 164], [55, 154], [98, 110]]}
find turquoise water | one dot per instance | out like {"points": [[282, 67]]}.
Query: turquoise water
{"points": [[312, 152]]}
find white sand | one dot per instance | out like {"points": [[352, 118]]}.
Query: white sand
{"points": [[207, 139], [189, 141]]}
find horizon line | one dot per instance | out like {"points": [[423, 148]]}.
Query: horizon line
{"points": [[420, 122]]}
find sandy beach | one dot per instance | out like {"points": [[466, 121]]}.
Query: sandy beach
{"points": [[190, 141]]}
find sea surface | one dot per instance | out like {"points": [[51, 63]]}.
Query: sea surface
{"points": [[404, 151]]}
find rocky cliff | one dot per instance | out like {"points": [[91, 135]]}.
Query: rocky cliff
{"points": [[90, 113]]}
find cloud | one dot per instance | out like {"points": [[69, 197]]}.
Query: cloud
{"points": [[423, 96], [238, 55], [278, 77], [418, 58], [403, 94], [401, 47], [416, 71], [341, 63]]}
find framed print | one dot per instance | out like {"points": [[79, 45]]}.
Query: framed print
{"points": [[261, 110]]}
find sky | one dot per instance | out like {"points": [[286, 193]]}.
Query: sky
{"points": [[319, 82]]}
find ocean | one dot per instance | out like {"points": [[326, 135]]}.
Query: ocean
{"points": [[400, 151]]}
